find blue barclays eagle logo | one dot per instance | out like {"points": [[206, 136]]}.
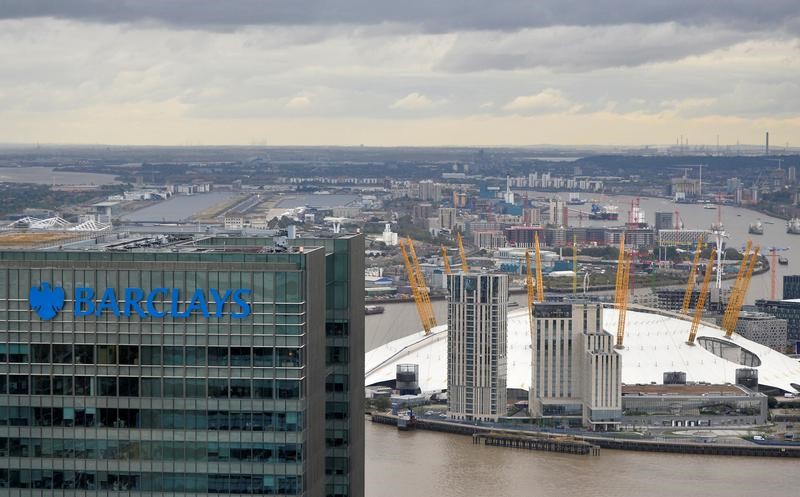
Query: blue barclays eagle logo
{"points": [[46, 301]]}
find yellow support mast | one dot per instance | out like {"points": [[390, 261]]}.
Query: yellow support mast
{"points": [[412, 281], [574, 265], [446, 261], [464, 265], [687, 297], [539, 281], [620, 272], [742, 292], [735, 288], [422, 286], [623, 303], [529, 286], [701, 299]]}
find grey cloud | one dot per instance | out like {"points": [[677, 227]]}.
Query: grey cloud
{"points": [[436, 16], [586, 48]]}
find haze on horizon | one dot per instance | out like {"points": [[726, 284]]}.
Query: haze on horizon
{"points": [[325, 72]]}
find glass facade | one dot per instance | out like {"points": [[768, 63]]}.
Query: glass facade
{"points": [[190, 398]]}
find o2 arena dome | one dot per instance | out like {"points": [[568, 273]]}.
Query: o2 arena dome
{"points": [[655, 343]]}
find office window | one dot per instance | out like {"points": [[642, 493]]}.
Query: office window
{"points": [[151, 387], [262, 356], [41, 352], [195, 356], [217, 356], [62, 353], [262, 389], [173, 356], [288, 389], [18, 385], [106, 354], [151, 355], [218, 388], [240, 388], [62, 385], [195, 387], [173, 387], [84, 354], [129, 354], [83, 385], [107, 386], [128, 386], [240, 356], [41, 385]]}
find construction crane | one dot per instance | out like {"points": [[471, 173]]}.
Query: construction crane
{"points": [[701, 299], [742, 293], [529, 286], [418, 288], [574, 265], [464, 265], [687, 297], [735, 288], [773, 251], [446, 261], [539, 281]]}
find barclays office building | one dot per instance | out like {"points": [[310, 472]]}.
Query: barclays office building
{"points": [[182, 365]]}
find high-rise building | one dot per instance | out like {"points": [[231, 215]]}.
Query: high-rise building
{"points": [[428, 190], [784, 309], [664, 221], [575, 371], [447, 218], [476, 346], [179, 365], [791, 286]]}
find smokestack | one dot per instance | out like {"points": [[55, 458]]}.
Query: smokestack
{"points": [[767, 148]]}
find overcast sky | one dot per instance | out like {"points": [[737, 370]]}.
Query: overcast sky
{"points": [[411, 72]]}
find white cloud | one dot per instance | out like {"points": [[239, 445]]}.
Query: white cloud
{"points": [[298, 103], [413, 101], [547, 100]]}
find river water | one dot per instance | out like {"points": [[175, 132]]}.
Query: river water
{"points": [[427, 463], [423, 463]]}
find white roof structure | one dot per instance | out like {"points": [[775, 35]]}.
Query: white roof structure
{"points": [[655, 342]]}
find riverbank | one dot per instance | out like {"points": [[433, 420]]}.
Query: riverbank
{"points": [[609, 442]]}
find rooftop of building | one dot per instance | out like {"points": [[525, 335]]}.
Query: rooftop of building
{"points": [[689, 389], [156, 241]]}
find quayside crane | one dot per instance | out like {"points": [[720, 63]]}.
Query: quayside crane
{"points": [[464, 265], [701, 299], [735, 288], [742, 292], [687, 296], [447, 269], [539, 281], [418, 290]]}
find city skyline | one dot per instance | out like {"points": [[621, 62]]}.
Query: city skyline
{"points": [[306, 73]]}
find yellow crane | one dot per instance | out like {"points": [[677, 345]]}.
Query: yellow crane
{"points": [[627, 260], [701, 299], [539, 281], [574, 265], [742, 292], [464, 265], [530, 288], [687, 297], [446, 261], [735, 288], [418, 289]]}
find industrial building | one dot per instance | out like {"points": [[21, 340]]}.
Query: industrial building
{"points": [[684, 405], [182, 365], [575, 371], [476, 346]]}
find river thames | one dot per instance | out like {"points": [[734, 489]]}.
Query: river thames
{"points": [[436, 464]]}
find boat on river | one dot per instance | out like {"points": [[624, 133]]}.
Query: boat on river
{"points": [[756, 228]]}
